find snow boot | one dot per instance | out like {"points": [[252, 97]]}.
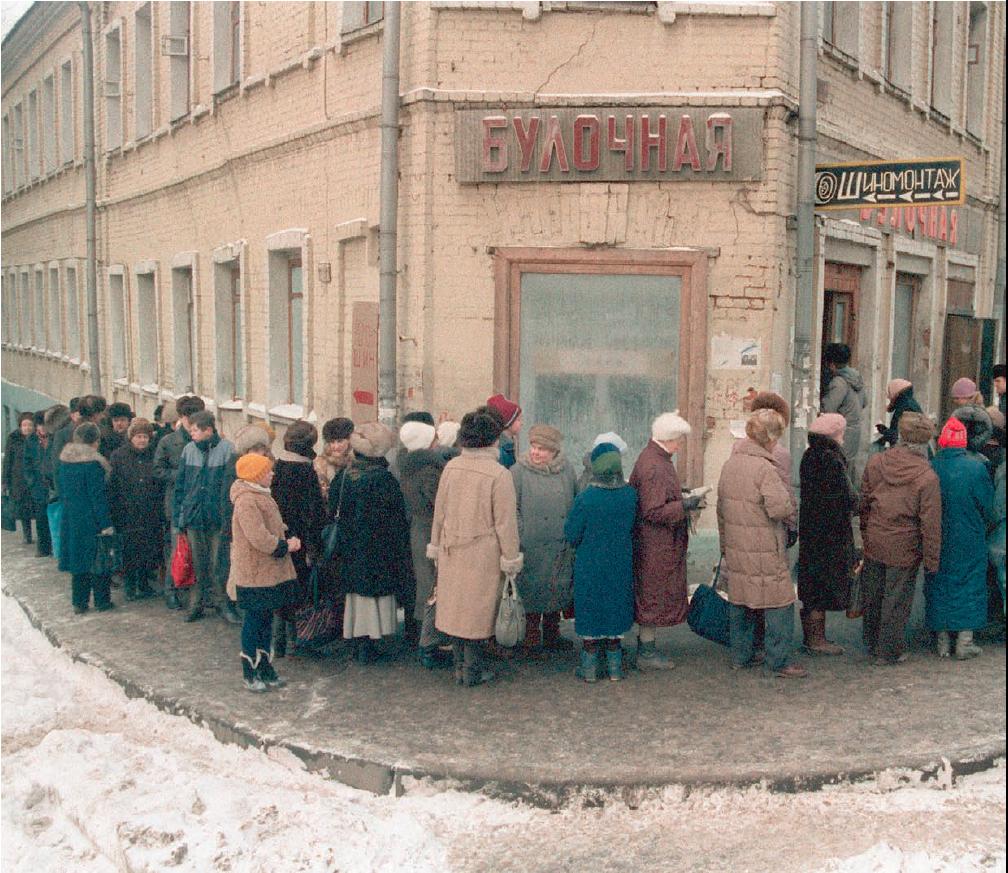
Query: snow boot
{"points": [[944, 644], [458, 661], [814, 626], [249, 673], [229, 613], [649, 658], [172, 600], [965, 647], [614, 661], [130, 588], [472, 671], [588, 668], [267, 674]]}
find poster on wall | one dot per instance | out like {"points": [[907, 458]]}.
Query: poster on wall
{"points": [[734, 352], [364, 362]]}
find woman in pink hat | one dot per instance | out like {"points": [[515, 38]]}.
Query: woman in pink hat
{"points": [[901, 399]]}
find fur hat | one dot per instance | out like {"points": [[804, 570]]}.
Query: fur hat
{"points": [[897, 387], [669, 426], [250, 437], [480, 428], [953, 435], [447, 433], [140, 425], [546, 437], [300, 438], [120, 410], [770, 400], [416, 435], [56, 417], [612, 438], [372, 440], [251, 467], [419, 415], [964, 389], [915, 429], [337, 429], [829, 424], [87, 433], [506, 410]]}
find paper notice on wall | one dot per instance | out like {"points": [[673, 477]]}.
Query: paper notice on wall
{"points": [[734, 352], [364, 362]]}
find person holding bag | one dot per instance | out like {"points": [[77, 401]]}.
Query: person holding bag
{"points": [[474, 539]]}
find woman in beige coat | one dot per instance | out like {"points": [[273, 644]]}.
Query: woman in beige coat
{"points": [[474, 538], [752, 506]]}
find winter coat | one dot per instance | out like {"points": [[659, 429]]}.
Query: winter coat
{"points": [[508, 454], [14, 482], [996, 537], [661, 537], [34, 470], [903, 402], [474, 538], [259, 557], [600, 527], [84, 495], [752, 504], [135, 504], [956, 596], [297, 494], [373, 534], [167, 458], [544, 497], [825, 537], [419, 475], [203, 484], [901, 510], [845, 394], [980, 427], [57, 424], [57, 442], [110, 441]]}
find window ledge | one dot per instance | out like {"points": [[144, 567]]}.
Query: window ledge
{"points": [[839, 55], [287, 411], [152, 388], [120, 383], [231, 405], [256, 409], [361, 33]]}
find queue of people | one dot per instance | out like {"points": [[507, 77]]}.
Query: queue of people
{"points": [[304, 547]]}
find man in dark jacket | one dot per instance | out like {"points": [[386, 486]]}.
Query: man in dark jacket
{"points": [[201, 508], [901, 525], [114, 433]]}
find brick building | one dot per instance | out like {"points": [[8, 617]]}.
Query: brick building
{"points": [[596, 205]]}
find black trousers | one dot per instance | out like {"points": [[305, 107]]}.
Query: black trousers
{"points": [[82, 586]]}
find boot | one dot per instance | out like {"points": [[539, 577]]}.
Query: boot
{"points": [[649, 658], [268, 674], [172, 600], [533, 636], [279, 637], [944, 644], [587, 669], [965, 647], [458, 661], [472, 670], [129, 587], [229, 613], [433, 658], [26, 527], [552, 641], [144, 591], [814, 626], [252, 681], [365, 650], [614, 661], [195, 612]]}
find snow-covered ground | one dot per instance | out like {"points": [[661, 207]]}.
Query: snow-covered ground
{"points": [[93, 781]]}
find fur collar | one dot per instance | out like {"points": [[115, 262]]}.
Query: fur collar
{"points": [[292, 457], [551, 469], [81, 453]]}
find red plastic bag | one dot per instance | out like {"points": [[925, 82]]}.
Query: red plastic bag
{"points": [[182, 571]]}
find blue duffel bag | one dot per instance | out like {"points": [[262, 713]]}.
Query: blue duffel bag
{"points": [[708, 612]]}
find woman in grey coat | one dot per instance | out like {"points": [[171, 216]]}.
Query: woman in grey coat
{"points": [[545, 485]]}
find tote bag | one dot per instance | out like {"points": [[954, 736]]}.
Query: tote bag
{"points": [[510, 627]]}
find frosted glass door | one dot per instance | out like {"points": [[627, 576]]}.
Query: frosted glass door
{"points": [[598, 353]]}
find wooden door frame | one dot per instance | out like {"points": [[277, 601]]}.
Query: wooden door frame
{"points": [[690, 265]]}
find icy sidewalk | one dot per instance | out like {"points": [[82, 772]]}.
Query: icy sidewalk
{"points": [[95, 782]]}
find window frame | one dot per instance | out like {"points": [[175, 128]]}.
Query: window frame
{"points": [[143, 38], [113, 139], [67, 124], [74, 344], [48, 124], [32, 131], [54, 321]]}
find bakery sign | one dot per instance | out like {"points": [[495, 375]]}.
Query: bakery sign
{"points": [[609, 144]]}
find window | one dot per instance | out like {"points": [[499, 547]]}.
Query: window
{"points": [[976, 68], [26, 329], [143, 73], [8, 157], [230, 340], [286, 327], [227, 27], [904, 301], [34, 168], [73, 347], [360, 13], [841, 25], [67, 129], [17, 146], [55, 312], [942, 40], [6, 309], [147, 334], [182, 311], [49, 123], [113, 89], [899, 25], [118, 324], [38, 335], [176, 46]]}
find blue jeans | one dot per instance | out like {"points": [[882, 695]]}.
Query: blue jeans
{"points": [[257, 634], [779, 632]]}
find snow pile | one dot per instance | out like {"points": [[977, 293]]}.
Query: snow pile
{"points": [[884, 858]]}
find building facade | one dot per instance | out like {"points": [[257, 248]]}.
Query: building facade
{"points": [[596, 206]]}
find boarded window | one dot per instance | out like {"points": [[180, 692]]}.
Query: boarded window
{"points": [[904, 303], [143, 73], [176, 46], [73, 315], [67, 133], [55, 312], [976, 68], [118, 324], [112, 86], [148, 337], [182, 319], [49, 124]]}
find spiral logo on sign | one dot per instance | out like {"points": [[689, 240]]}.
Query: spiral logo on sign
{"points": [[826, 187]]}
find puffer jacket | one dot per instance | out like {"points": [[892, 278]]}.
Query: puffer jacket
{"points": [[901, 510], [201, 489], [752, 504], [259, 556]]}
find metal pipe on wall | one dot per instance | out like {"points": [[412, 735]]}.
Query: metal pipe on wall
{"points": [[90, 195], [388, 398], [801, 364], [999, 277]]}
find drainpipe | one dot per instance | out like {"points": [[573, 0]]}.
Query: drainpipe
{"points": [[90, 198], [801, 364], [999, 276], [389, 193]]}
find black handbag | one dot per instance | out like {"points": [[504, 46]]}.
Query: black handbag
{"points": [[9, 512], [108, 555], [330, 535], [708, 612]]}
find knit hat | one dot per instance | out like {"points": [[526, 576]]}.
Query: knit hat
{"points": [[964, 388], [606, 460], [612, 438], [480, 428], [897, 387], [250, 437], [251, 467], [447, 433], [416, 435], [140, 425], [830, 424], [506, 410], [545, 437], [372, 440], [915, 429], [669, 426], [953, 435]]}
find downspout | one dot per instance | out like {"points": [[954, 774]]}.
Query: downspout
{"points": [[388, 219], [90, 185], [999, 276], [801, 363]]}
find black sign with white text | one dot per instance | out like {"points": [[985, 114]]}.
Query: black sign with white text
{"points": [[890, 183]]}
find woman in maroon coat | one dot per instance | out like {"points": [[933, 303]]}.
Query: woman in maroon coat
{"points": [[661, 536]]}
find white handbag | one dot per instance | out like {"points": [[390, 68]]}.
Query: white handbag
{"points": [[510, 627]]}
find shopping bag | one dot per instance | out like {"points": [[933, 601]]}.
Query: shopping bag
{"points": [[9, 511], [430, 636], [108, 555], [182, 570], [708, 612], [562, 578], [55, 513], [855, 606], [510, 626]]}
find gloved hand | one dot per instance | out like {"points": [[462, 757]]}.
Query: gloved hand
{"points": [[691, 504]]}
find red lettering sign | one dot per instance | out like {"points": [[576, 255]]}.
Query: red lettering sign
{"points": [[686, 145], [586, 126]]}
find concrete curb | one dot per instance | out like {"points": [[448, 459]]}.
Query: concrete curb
{"points": [[397, 779]]}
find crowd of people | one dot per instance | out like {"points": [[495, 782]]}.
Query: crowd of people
{"points": [[332, 535]]}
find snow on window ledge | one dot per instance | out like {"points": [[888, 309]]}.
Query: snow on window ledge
{"points": [[230, 405], [287, 411]]}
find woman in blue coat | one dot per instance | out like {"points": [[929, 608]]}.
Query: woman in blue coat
{"points": [[956, 596], [600, 527], [83, 491]]}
